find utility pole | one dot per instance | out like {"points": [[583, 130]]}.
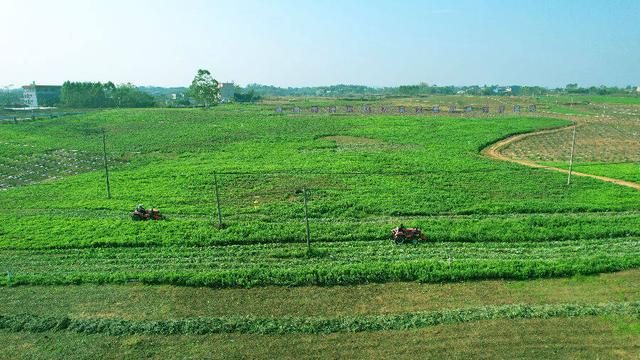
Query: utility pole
{"points": [[573, 145], [306, 219], [106, 166], [215, 185]]}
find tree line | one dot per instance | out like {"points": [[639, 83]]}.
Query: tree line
{"points": [[204, 91], [103, 95], [424, 89]]}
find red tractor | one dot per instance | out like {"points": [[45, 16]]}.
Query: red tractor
{"points": [[142, 214], [403, 235]]}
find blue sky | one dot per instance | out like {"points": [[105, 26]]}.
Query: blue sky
{"points": [[322, 42]]}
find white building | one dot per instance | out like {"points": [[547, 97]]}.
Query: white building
{"points": [[35, 96], [29, 96]]}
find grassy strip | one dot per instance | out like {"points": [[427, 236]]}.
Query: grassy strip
{"points": [[432, 271], [288, 325], [46, 232], [157, 302], [588, 337], [629, 171]]}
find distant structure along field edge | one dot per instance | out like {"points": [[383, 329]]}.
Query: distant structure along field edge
{"points": [[35, 96]]}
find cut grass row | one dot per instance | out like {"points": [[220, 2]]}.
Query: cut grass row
{"points": [[163, 302], [328, 264], [581, 337], [312, 325]]}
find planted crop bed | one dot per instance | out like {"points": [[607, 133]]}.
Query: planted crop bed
{"points": [[328, 264], [364, 175]]}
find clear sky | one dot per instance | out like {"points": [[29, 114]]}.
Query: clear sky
{"points": [[322, 42]]}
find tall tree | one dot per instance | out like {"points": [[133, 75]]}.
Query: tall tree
{"points": [[204, 88]]}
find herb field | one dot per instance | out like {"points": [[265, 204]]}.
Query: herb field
{"points": [[512, 252], [364, 174]]}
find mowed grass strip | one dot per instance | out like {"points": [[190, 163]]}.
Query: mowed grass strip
{"points": [[284, 267], [310, 325], [564, 338], [142, 302]]}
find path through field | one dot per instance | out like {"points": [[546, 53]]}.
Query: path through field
{"points": [[494, 151]]}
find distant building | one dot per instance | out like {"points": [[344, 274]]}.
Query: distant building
{"points": [[178, 100], [502, 90], [41, 95], [638, 89], [226, 92]]}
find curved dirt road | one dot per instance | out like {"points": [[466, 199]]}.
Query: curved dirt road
{"points": [[493, 151]]}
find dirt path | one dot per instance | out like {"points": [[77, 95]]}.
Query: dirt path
{"points": [[494, 151]]}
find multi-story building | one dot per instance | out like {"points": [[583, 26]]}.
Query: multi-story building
{"points": [[40, 95]]}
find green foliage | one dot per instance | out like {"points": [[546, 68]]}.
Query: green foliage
{"points": [[98, 95], [424, 89], [128, 96], [623, 171], [86, 94], [204, 88], [10, 97], [247, 97]]}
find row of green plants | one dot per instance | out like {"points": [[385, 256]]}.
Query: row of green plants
{"points": [[97, 229], [300, 271], [310, 325], [285, 256]]}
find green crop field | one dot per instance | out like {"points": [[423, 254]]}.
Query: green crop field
{"points": [[488, 223]]}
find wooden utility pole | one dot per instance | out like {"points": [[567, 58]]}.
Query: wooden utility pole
{"points": [[215, 185], [573, 146], [306, 219], [106, 166]]}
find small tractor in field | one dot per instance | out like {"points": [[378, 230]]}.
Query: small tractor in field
{"points": [[142, 214], [402, 235]]}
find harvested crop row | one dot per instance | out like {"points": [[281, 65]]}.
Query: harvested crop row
{"points": [[288, 325], [278, 270]]}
